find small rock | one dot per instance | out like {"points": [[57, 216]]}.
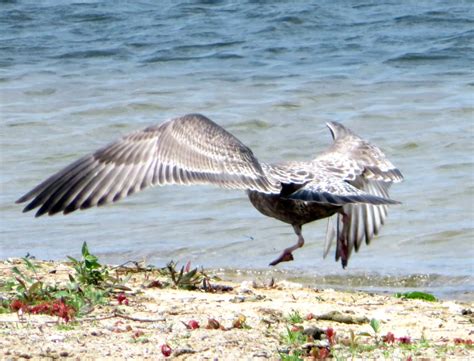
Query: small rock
{"points": [[284, 350], [337, 316], [247, 287], [261, 354], [314, 332], [253, 298], [56, 338], [237, 299], [183, 351]]}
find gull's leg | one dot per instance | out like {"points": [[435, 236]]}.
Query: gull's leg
{"points": [[286, 255]]}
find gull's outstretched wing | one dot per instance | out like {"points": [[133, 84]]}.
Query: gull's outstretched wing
{"points": [[365, 167], [187, 150]]}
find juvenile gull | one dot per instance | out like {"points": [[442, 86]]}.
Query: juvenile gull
{"points": [[349, 182]]}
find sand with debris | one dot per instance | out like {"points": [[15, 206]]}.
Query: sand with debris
{"points": [[253, 319]]}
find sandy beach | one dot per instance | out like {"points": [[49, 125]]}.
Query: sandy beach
{"points": [[143, 318]]}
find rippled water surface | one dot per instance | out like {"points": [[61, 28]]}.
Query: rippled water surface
{"points": [[76, 75]]}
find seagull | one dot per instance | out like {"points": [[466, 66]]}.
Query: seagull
{"points": [[347, 183]]}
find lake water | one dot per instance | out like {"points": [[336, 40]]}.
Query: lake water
{"points": [[76, 75]]}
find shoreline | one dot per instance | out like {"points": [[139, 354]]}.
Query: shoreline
{"points": [[382, 284], [271, 320]]}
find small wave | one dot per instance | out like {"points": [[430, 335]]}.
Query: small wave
{"points": [[287, 105], [252, 124], [418, 58], [429, 17], [84, 54], [207, 46], [164, 58], [228, 56], [86, 18], [146, 107], [139, 45], [276, 50], [41, 92], [294, 20], [410, 146], [16, 15], [27, 124], [455, 166], [364, 6]]}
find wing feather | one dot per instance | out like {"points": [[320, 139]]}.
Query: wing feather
{"points": [[337, 192], [186, 150], [51, 185], [366, 168], [87, 190]]}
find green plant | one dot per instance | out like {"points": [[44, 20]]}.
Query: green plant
{"points": [[83, 298], [416, 295], [375, 324], [77, 297], [30, 290], [4, 306], [295, 317], [184, 279], [295, 356], [88, 270], [294, 337]]}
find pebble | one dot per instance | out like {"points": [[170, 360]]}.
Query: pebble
{"points": [[56, 338], [247, 287]]}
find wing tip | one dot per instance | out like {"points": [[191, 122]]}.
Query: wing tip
{"points": [[338, 130], [40, 212], [23, 198]]}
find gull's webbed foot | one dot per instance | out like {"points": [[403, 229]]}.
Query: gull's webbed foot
{"points": [[286, 256]]}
